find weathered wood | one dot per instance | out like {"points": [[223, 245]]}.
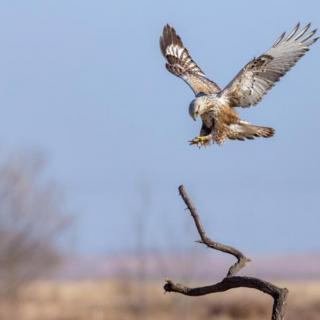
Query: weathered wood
{"points": [[231, 281]]}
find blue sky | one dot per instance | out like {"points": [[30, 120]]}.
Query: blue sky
{"points": [[84, 82]]}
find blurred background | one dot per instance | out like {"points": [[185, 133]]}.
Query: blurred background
{"points": [[93, 140]]}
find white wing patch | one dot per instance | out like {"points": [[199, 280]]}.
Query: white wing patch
{"points": [[180, 63], [260, 74]]}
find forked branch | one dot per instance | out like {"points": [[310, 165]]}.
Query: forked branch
{"points": [[279, 295]]}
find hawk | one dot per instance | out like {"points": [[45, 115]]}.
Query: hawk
{"points": [[216, 107]]}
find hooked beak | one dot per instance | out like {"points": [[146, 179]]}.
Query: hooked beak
{"points": [[195, 116]]}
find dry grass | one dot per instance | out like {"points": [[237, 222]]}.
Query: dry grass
{"points": [[129, 300]]}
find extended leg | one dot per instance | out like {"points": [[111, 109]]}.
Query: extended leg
{"points": [[201, 141]]}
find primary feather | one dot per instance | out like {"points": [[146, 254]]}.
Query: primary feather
{"points": [[261, 74], [181, 64]]}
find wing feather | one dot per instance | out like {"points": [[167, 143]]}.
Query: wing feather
{"points": [[181, 64], [261, 74]]}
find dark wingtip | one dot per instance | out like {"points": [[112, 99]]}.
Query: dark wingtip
{"points": [[166, 37]]}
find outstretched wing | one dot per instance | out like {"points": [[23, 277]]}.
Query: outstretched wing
{"points": [[180, 63], [260, 74]]}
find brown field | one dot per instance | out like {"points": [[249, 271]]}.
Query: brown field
{"points": [[128, 300]]}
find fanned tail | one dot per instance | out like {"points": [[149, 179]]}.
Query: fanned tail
{"points": [[244, 130]]}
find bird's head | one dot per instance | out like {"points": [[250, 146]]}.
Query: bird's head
{"points": [[197, 107]]}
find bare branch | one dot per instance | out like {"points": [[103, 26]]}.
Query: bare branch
{"points": [[279, 295], [241, 258], [32, 220]]}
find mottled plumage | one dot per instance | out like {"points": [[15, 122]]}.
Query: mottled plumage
{"points": [[220, 120], [182, 65]]}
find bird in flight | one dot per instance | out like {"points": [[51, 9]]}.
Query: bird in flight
{"points": [[216, 106]]}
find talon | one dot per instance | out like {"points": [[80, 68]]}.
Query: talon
{"points": [[193, 141], [201, 141]]}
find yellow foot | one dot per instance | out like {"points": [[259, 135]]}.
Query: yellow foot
{"points": [[201, 141]]}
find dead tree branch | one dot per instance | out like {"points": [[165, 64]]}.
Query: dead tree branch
{"points": [[279, 295], [242, 259]]}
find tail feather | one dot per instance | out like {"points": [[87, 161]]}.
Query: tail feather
{"points": [[244, 130]]}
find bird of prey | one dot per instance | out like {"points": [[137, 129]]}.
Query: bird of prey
{"points": [[216, 107]]}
